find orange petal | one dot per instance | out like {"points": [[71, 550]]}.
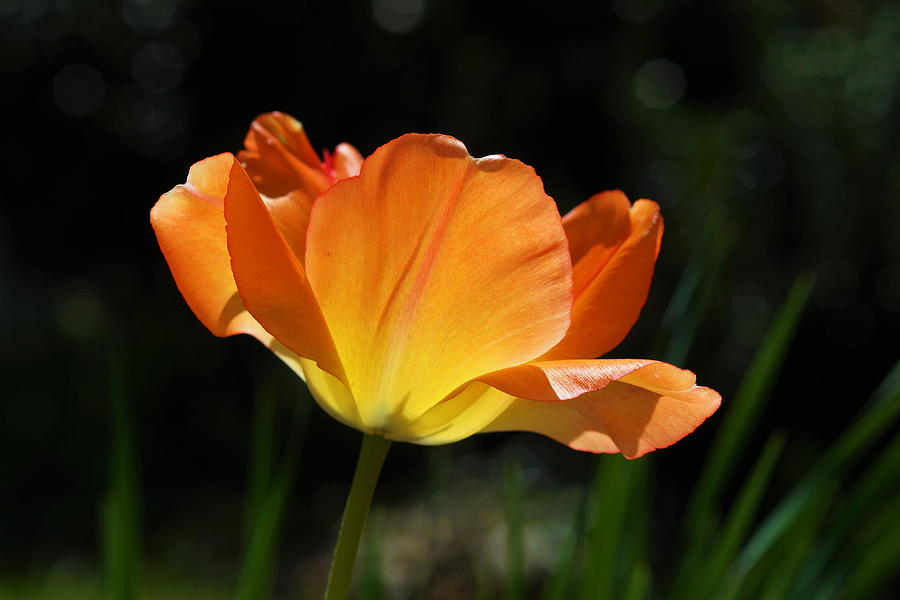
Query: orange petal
{"points": [[555, 380], [347, 161], [189, 223], [456, 418], [432, 268], [279, 158], [651, 407], [289, 174], [596, 227], [614, 249], [270, 278]]}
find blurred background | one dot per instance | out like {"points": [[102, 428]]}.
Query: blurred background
{"points": [[767, 131]]}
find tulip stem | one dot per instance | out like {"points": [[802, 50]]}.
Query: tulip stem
{"points": [[368, 467]]}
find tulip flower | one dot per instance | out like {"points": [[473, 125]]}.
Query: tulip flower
{"points": [[425, 295]]}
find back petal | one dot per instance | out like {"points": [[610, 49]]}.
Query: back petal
{"points": [[614, 247]]}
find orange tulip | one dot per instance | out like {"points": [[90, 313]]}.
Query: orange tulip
{"points": [[425, 295]]}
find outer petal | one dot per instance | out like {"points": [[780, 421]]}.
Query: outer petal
{"points": [[614, 248], [651, 407], [270, 278], [189, 223], [555, 380], [432, 268]]}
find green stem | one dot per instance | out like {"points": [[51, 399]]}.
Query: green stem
{"points": [[371, 457]]}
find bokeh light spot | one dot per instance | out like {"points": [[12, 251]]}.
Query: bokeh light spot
{"points": [[157, 67], [831, 52], [660, 84], [153, 123], [46, 20], [78, 89], [148, 16], [79, 314], [398, 16]]}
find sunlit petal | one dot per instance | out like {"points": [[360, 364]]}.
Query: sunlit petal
{"points": [[189, 223], [289, 174], [270, 278], [431, 268], [555, 380], [456, 418], [651, 407], [614, 247], [426, 295]]}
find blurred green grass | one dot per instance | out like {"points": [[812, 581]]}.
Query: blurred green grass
{"points": [[79, 585], [834, 534]]}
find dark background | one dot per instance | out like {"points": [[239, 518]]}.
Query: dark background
{"points": [[781, 119]]}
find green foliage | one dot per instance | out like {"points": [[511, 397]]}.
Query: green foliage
{"points": [[696, 289], [120, 509], [740, 417], [371, 582], [833, 534], [814, 542], [606, 529], [269, 486], [742, 413], [515, 543]]}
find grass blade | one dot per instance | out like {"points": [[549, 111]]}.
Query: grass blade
{"points": [[880, 414], [371, 580], [635, 574], [261, 464], [258, 568], [559, 584], [742, 413], [735, 527], [878, 559], [120, 512], [515, 543], [696, 289], [608, 506], [257, 572], [639, 583], [779, 578], [862, 499]]}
